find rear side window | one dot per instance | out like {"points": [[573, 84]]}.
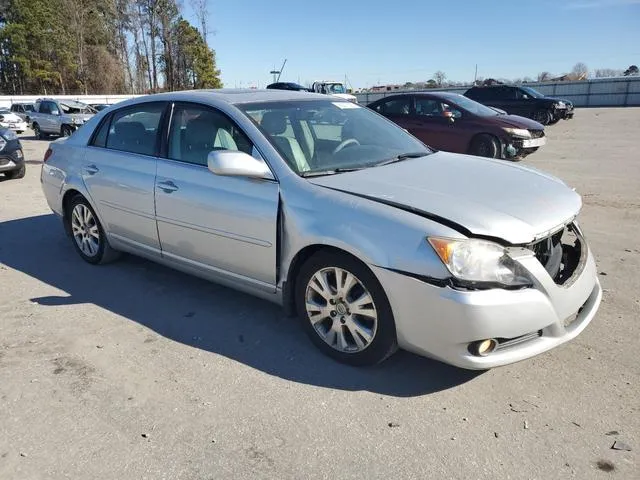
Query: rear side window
{"points": [[135, 129], [100, 138], [396, 106]]}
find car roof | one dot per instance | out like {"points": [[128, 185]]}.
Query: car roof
{"points": [[231, 96]]}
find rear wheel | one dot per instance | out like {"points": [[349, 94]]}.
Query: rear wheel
{"points": [[87, 233], [40, 135], [66, 131], [485, 145], [543, 116], [344, 309], [16, 174]]}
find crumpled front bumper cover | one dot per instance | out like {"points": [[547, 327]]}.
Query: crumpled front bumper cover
{"points": [[441, 322]]}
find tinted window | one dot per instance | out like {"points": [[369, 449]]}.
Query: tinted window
{"points": [[135, 129], [428, 107], [48, 107], [508, 93], [396, 106], [100, 139], [197, 130]]}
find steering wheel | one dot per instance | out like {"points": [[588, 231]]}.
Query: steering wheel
{"points": [[345, 143]]}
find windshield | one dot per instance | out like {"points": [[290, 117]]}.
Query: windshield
{"points": [[76, 107], [534, 93], [319, 136], [474, 107], [335, 88]]}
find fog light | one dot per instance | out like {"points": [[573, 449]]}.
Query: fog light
{"points": [[482, 348]]}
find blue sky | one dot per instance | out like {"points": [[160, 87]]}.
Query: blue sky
{"points": [[372, 42]]}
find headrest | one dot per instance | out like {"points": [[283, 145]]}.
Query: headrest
{"points": [[274, 122], [130, 129], [201, 130]]}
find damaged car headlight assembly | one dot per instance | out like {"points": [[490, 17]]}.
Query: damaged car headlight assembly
{"points": [[518, 132], [479, 263]]}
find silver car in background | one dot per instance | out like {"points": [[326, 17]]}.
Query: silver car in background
{"points": [[372, 239]]}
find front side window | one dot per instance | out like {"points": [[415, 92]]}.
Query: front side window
{"points": [[197, 130], [135, 129], [315, 136]]}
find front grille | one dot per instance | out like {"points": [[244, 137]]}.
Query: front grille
{"points": [[561, 254], [536, 133]]}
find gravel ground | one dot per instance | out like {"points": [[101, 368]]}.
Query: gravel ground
{"points": [[135, 371]]}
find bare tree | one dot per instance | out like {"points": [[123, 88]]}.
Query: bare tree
{"points": [[580, 71], [202, 14], [607, 72], [439, 77], [544, 76]]}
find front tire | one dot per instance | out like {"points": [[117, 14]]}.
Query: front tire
{"points": [[543, 116], [16, 174], [87, 233], [344, 310], [485, 145], [39, 134]]}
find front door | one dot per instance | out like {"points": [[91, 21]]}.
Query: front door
{"points": [[119, 171], [223, 225]]}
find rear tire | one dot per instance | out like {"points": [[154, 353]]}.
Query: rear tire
{"points": [[485, 145], [16, 174], [40, 135], [364, 338], [66, 131], [87, 234]]}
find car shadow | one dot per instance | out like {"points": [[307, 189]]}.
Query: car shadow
{"points": [[204, 315]]}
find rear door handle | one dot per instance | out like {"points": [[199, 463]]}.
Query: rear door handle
{"points": [[168, 186], [92, 169]]}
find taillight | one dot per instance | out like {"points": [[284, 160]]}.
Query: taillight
{"points": [[47, 154]]}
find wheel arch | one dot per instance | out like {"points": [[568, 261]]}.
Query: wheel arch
{"points": [[298, 260], [484, 134]]}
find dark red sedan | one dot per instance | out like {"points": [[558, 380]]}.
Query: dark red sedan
{"points": [[454, 123]]}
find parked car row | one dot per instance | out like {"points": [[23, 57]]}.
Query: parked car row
{"points": [[12, 163], [374, 240]]}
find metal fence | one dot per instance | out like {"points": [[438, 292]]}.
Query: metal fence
{"points": [[7, 100], [600, 92]]}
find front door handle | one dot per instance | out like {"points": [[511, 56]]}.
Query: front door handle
{"points": [[168, 186], [92, 169]]}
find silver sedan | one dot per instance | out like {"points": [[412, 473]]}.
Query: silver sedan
{"points": [[371, 238]]}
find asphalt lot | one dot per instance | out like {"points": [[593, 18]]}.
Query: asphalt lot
{"points": [[132, 370]]}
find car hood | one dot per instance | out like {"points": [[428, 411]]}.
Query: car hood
{"points": [[558, 99], [516, 121], [476, 196]]}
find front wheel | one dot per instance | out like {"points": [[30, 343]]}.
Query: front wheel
{"points": [[344, 310], [66, 131], [543, 116], [87, 233], [16, 174], [485, 145], [553, 120]]}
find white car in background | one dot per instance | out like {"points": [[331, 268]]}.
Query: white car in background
{"points": [[12, 121], [336, 89]]}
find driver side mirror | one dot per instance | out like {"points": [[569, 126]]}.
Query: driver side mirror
{"points": [[233, 163]]}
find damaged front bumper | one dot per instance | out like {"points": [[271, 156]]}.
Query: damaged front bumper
{"points": [[443, 322]]}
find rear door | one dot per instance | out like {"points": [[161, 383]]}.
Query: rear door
{"points": [[119, 172], [221, 225]]}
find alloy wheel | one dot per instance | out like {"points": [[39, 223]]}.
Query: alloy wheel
{"points": [[341, 310], [85, 230]]}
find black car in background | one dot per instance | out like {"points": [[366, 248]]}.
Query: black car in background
{"points": [[523, 101], [287, 86], [11, 157]]}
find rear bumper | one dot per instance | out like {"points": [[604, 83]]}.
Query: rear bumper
{"points": [[441, 322], [16, 127]]}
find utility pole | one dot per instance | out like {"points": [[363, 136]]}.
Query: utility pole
{"points": [[475, 77]]}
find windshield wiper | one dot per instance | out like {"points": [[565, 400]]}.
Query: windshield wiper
{"points": [[333, 171], [401, 157]]}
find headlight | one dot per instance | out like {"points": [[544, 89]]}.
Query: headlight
{"points": [[561, 105], [518, 132], [76, 121], [3, 143], [475, 262]]}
